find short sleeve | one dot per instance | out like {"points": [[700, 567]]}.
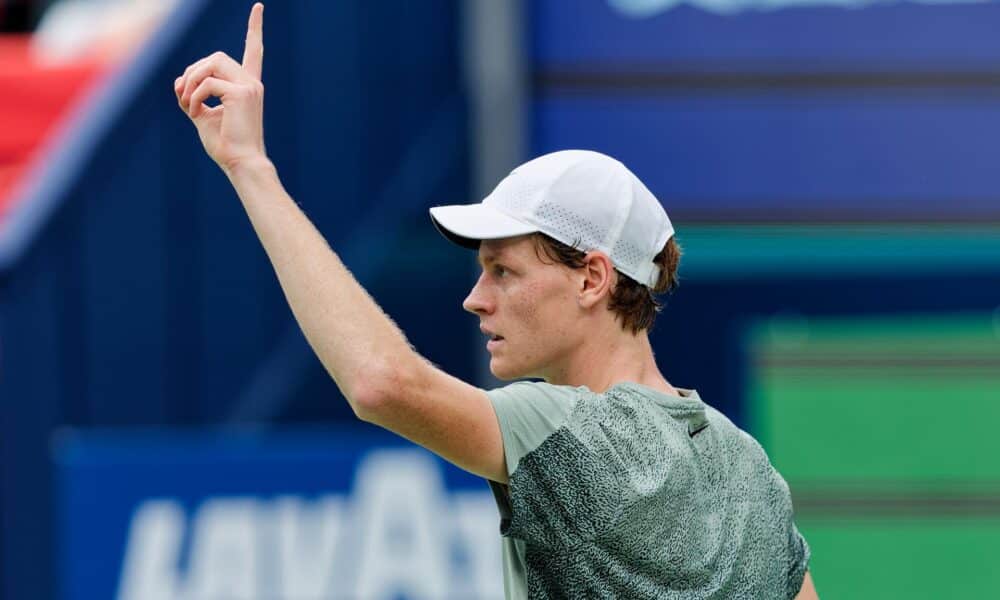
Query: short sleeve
{"points": [[560, 491], [799, 551], [529, 413]]}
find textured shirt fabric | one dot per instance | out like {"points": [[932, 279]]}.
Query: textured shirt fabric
{"points": [[634, 493]]}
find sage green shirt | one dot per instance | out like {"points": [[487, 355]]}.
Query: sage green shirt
{"points": [[637, 494]]}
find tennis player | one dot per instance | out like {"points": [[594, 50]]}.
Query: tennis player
{"points": [[610, 481]]}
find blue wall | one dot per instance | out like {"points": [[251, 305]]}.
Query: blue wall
{"points": [[145, 298]]}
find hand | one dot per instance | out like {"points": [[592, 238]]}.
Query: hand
{"points": [[232, 132]]}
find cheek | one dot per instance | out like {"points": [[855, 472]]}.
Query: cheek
{"points": [[546, 314], [539, 318]]}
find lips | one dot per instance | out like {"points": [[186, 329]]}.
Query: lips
{"points": [[490, 333], [494, 338]]}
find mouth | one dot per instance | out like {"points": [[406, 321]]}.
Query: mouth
{"points": [[494, 339]]}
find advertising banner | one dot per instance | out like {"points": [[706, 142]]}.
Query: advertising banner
{"points": [[766, 35], [779, 110], [339, 514]]}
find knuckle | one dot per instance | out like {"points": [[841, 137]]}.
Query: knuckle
{"points": [[195, 65]]}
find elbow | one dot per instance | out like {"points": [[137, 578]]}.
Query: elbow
{"points": [[377, 389], [367, 400]]}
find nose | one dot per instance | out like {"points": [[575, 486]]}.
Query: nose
{"points": [[478, 302]]}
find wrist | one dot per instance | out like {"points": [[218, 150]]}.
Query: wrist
{"points": [[250, 167]]}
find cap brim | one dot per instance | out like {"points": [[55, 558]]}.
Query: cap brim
{"points": [[469, 224]]}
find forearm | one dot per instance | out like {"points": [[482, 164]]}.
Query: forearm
{"points": [[350, 334]]}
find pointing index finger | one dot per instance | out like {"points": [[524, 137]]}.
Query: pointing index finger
{"points": [[253, 52]]}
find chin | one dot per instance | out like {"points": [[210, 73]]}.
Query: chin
{"points": [[505, 372]]}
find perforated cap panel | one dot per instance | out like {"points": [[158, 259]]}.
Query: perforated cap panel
{"points": [[592, 202]]}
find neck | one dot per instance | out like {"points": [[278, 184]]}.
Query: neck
{"points": [[615, 356]]}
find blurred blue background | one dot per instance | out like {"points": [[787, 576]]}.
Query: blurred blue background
{"points": [[830, 171]]}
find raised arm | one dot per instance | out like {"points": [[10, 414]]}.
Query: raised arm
{"points": [[385, 381]]}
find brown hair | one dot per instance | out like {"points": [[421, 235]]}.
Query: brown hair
{"points": [[635, 304]]}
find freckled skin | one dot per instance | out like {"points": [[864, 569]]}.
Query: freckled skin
{"points": [[531, 304]]}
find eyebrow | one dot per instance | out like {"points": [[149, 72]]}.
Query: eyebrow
{"points": [[483, 261]]}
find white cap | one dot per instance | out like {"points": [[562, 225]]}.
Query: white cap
{"points": [[581, 198]]}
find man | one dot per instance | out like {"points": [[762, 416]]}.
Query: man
{"points": [[610, 481]]}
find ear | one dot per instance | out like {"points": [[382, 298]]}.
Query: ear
{"points": [[598, 277]]}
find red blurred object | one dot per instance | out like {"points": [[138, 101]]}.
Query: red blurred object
{"points": [[34, 99]]}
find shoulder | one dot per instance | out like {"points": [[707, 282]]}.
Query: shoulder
{"points": [[541, 396], [529, 413], [561, 488]]}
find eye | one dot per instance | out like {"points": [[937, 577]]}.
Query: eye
{"points": [[500, 271]]}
